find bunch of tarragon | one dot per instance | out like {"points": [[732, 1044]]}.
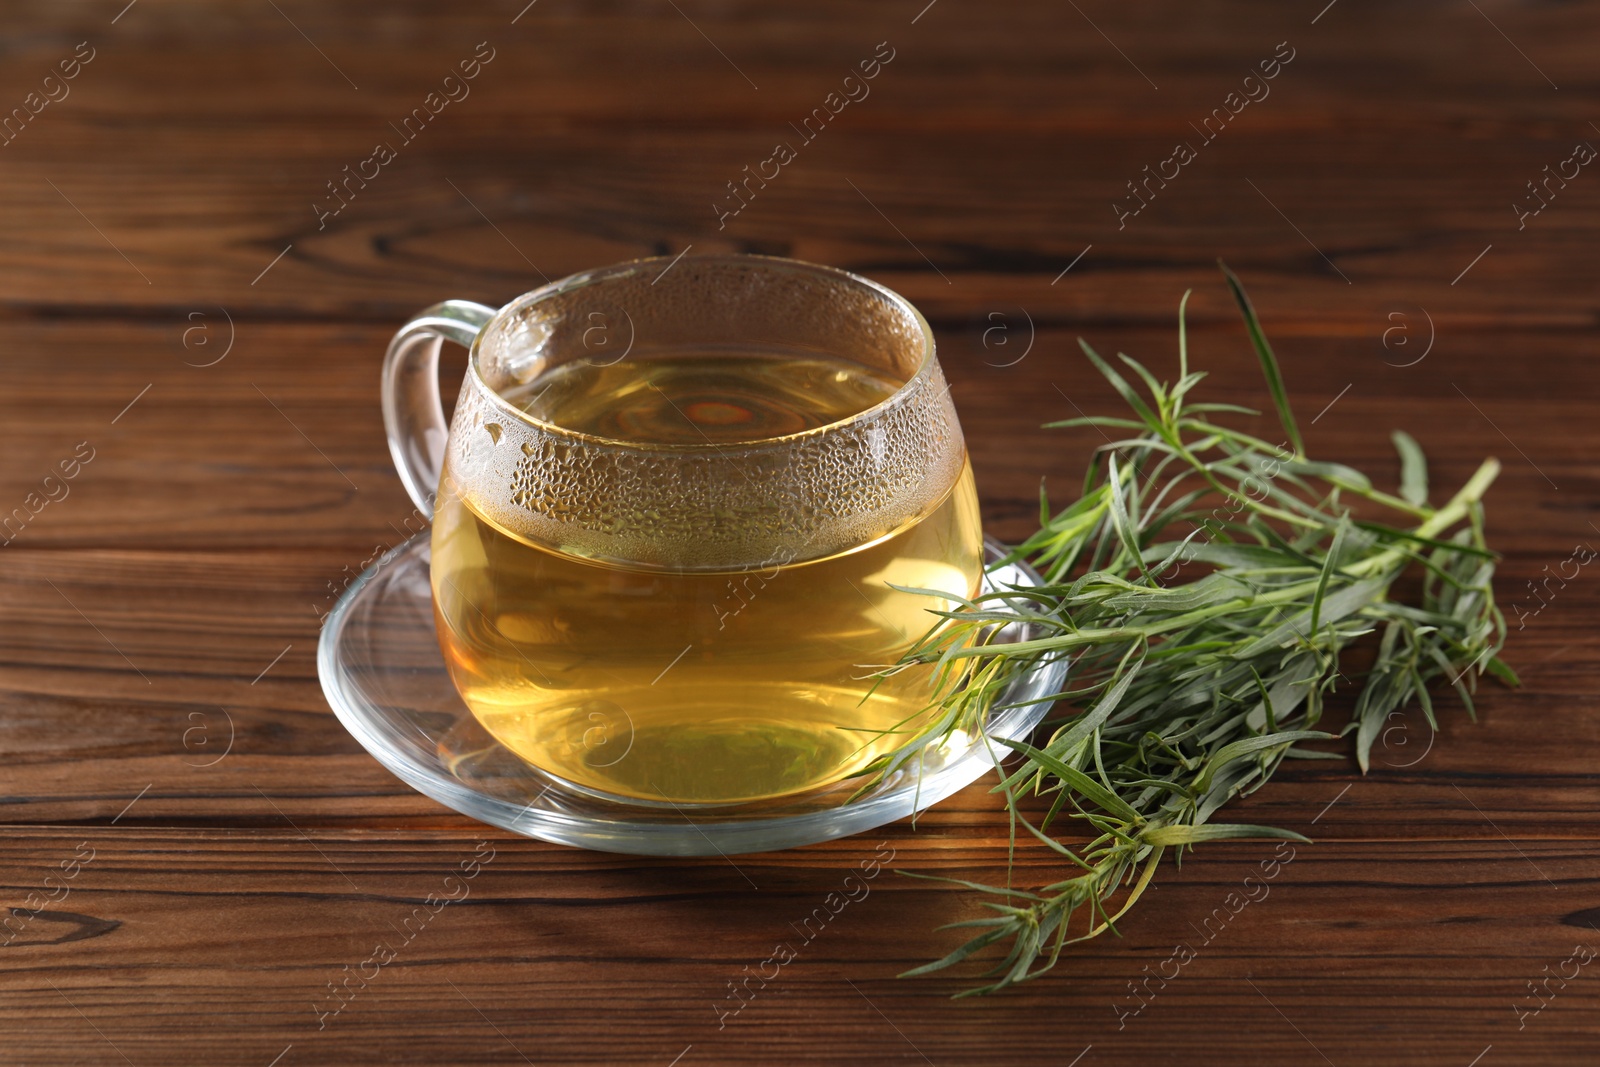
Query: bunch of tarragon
{"points": [[1203, 587]]}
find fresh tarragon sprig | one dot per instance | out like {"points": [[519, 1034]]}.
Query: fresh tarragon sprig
{"points": [[1203, 587]]}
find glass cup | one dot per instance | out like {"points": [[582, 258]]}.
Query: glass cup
{"points": [[679, 515]]}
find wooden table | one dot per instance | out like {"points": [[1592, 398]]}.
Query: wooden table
{"points": [[195, 333]]}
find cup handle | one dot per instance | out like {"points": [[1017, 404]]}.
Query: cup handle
{"points": [[413, 416]]}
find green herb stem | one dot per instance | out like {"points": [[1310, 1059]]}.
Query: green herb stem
{"points": [[1193, 693]]}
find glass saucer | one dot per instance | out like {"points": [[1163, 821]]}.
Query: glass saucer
{"points": [[382, 672]]}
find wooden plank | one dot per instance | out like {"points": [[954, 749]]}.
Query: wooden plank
{"points": [[1358, 946], [281, 443]]}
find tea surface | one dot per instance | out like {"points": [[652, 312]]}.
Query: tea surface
{"points": [[696, 686]]}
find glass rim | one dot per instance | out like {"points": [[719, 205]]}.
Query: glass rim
{"points": [[925, 355]]}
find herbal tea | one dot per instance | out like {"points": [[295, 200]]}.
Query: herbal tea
{"points": [[701, 685]]}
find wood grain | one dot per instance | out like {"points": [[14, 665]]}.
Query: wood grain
{"points": [[161, 712]]}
